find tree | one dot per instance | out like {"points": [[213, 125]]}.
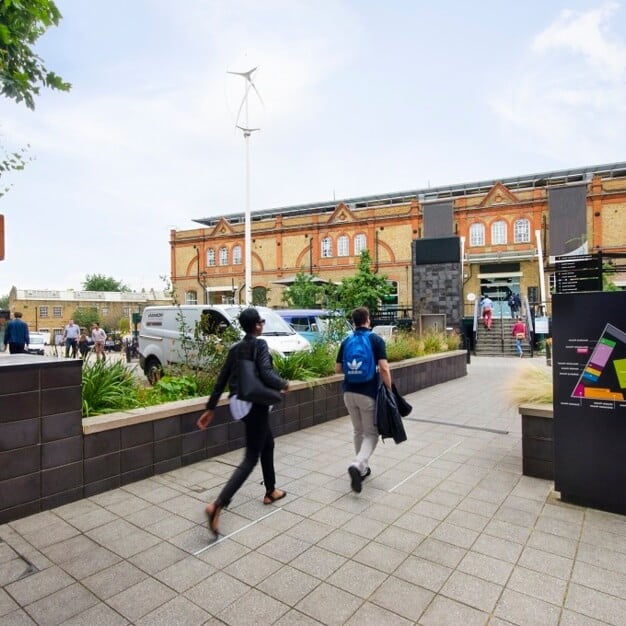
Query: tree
{"points": [[4, 302], [99, 282], [86, 316], [303, 293], [22, 72], [13, 161], [365, 288]]}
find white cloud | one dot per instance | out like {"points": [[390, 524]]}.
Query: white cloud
{"points": [[567, 97]]}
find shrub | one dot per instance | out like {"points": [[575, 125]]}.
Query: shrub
{"points": [[108, 387], [306, 365], [531, 384]]}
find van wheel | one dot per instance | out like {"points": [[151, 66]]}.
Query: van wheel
{"points": [[153, 371]]}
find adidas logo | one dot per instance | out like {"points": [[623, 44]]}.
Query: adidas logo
{"points": [[355, 365]]}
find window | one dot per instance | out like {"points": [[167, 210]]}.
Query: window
{"points": [[191, 297], [498, 233], [343, 246], [360, 244], [237, 255], [223, 256], [125, 311], [210, 257], [57, 311], [477, 235], [521, 231], [105, 310], [327, 248], [43, 311]]}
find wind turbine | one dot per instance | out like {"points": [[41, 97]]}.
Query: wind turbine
{"points": [[247, 131]]}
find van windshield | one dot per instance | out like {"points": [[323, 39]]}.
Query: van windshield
{"points": [[274, 324]]}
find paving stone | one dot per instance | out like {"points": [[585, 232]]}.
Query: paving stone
{"points": [[538, 585], [440, 552], [98, 516], [380, 557], [90, 562], [222, 554], [16, 618], [402, 598], [329, 605], [295, 618], [98, 615], [551, 543], [114, 579], [7, 604], [69, 549], [443, 612], [357, 579], [508, 531], [158, 557], [58, 607], [423, 573], [476, 592], [602, 557], [400, 539], [57, 531], [456, 535], [178, 611], [184, 574], [369, 614], [546, 562], [600, 579], [417, 523], [465, 519], [253, 608], [217, 592], [283, 548], [170, 526], [288, 585], [140, 599], [521, 609], [318, 562], [561, 528], [39, 585], [498, 548], [570, 618], [486, 567], [596, 604]]}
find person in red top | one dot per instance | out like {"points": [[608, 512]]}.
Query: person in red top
{"points": [[519, 332]]}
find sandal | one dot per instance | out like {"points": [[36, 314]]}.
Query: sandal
{"points": [[213, 515], [270, 497]]}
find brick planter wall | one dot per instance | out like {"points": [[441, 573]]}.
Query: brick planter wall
{"points": [[50, 456]]}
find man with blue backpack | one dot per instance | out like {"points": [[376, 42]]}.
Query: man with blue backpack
{"points": [[362, 359]]}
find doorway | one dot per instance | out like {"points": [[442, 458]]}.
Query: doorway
{"points": [[499, 287]]}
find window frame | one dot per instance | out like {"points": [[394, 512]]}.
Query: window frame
{"points": [[343, 245], [223, 256], [499, 233], [326, 248], [519, 235], [476, 235]]}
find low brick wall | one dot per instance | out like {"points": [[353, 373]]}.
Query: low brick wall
{"points": [[537, 440], [50, 456]]}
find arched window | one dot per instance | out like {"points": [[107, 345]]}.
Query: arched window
{"points": [[223, 256], [327, 248], [237, 255], [521, 231], [498, 233], [191, 297], [477, 235], [360, 244], [343, 246], [210, 257]]}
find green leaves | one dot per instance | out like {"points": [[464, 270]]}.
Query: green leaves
{"points": [[21, 70]]}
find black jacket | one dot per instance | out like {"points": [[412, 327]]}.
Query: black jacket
{"points": [[229, 374]]}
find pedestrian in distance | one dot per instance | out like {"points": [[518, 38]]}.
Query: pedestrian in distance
{"points": [[362, 359], [259, 438], [486, 304], [83, 345], [98, 336], [16, 334], [519, 333], [71, 333]]}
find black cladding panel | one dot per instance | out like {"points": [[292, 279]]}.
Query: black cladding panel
{"points": [[439, 250]]}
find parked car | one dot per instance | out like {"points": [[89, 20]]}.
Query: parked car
{"points": [[313, 324], [386, 331], [161, 332], [37, 343]]}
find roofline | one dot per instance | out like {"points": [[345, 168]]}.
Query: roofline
{"points": [[430, 194]]}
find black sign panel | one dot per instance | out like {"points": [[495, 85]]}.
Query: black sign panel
{"points": [[589, 369], [578, 273]]}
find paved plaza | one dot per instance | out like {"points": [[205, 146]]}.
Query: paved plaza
{"points": [[446, 531]]}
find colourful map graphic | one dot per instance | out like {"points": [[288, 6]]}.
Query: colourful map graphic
{"points": [[604, 375]]}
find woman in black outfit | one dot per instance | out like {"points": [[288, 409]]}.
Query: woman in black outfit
{"points": [[259, 439]]}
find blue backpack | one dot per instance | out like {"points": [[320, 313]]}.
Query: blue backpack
{"points": [[358, 358]]}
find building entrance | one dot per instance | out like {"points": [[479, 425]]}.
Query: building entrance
{"points": [[499, 287]]}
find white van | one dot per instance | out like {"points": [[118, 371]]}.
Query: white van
{"points": [[160, 334]]}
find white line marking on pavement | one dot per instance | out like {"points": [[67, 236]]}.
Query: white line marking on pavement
{"points": [[425, 466], [223, 537]]}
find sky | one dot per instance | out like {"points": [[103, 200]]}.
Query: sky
{"points": [[357, 97]]}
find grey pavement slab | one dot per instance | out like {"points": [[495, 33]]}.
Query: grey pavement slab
{"points": [[445, 531]]}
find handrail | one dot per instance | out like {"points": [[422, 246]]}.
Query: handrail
{"points": [[530, 329]]}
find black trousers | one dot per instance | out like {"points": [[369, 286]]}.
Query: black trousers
{"points": [[259, 443], [16, 348]]}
